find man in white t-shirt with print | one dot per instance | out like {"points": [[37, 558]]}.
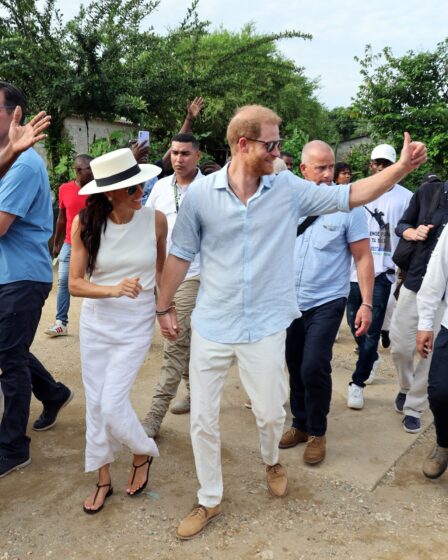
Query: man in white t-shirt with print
{"points": [[383, 215], [166, 196]]}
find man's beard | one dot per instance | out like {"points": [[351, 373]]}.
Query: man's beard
{"points": [[259, 167]]}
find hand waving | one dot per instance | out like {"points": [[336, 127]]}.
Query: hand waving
{"points": [[195, 107], [23, 137]]}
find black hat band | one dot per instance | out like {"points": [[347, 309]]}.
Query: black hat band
{"points": [[118, 177]]}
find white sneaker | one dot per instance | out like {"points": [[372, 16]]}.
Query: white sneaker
{"points": [[372, 375], [355, 397], [58, 329]]}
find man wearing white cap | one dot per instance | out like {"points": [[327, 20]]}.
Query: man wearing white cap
{"points": [[382, 216]]}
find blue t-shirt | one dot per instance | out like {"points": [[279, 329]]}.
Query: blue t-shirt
{"points": [[25, 192]]}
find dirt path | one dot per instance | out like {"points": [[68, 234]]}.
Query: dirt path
{"points": [[324, 516]]}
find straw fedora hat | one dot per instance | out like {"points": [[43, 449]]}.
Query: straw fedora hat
{"points": [[118, 170]]}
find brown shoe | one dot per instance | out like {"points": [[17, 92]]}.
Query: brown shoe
{"points": [[277, 480], [198, 518], [315, 450], [292, 437], [436, 462]]}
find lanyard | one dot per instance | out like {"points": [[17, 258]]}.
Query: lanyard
{"points": [[175, 193], [176, 190]]}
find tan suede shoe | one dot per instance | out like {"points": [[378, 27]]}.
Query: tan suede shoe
{"points": [[436, 462], [198, 518], [277, 480], [292, 437], [315, 450]]}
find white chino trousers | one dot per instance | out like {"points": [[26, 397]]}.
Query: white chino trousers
{"points": [[262, 372], [412, 370], [115, 335]]}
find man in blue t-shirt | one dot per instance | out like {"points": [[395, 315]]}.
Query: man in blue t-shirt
{"points": [[25, 282]]}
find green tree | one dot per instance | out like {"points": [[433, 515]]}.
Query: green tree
{"points": [[408, 93], [78, 68], [107, 62]]}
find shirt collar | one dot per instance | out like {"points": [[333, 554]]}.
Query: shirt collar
{"points": [[221, 182]]}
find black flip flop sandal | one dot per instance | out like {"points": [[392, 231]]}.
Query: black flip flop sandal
{"points": [[143, 486]]}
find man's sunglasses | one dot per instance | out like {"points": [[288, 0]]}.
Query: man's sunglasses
{"points": [[132, 190], [269, 145]]}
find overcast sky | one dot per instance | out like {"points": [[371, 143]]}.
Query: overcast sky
{"points": [[340, 29]]}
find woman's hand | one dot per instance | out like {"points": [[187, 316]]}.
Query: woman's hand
{"points": [[129, 287]]}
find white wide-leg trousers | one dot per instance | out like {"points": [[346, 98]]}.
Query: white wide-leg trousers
{"points": [[262, 372], [115, 335]]}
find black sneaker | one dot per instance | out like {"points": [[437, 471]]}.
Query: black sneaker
{"points": [[9, 464], [49, 414], [400, 399], [385, 340], [411, 424]]}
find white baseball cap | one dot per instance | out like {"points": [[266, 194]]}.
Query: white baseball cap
{"points": [[384, 151]]}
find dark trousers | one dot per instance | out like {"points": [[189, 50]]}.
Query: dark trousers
{"points": [[20, 310], [309, 345], [368, 343], [438, 387]]}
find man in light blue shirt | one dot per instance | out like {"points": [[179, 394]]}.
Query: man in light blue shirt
{"points": [[322, 260], [244, 221]]}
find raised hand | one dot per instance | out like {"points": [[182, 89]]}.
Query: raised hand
{"points": [[413, 154], [195, 107], [22, 137], [140, 152]]}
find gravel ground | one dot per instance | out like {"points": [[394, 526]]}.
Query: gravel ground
{"points": [[405, 517]]}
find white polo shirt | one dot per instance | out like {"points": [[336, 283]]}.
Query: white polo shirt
{"points": [[167, 196]]}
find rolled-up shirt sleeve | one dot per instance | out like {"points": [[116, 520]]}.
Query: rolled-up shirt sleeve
{"points": [[434, 284], [186, 238]]}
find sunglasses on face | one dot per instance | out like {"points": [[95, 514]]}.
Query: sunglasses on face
{"points": [[270, 145], [381, 163], [132, 190]]}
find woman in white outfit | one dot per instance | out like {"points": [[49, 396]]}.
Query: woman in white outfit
{"points": [[121, 248]]}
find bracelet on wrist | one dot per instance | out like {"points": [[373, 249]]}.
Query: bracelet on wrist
{"points": [[369, 305], [166, 311]]}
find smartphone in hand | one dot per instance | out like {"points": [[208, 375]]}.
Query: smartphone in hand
{"points": [[144, 138]]}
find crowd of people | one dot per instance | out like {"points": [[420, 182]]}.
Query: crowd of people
{"points": [[249, 264]]}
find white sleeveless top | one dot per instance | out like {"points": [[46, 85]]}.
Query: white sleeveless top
{"points": [[128, 251]]}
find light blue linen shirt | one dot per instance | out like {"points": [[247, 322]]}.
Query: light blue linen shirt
{"points": [[247, 268], [322, 257]]}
